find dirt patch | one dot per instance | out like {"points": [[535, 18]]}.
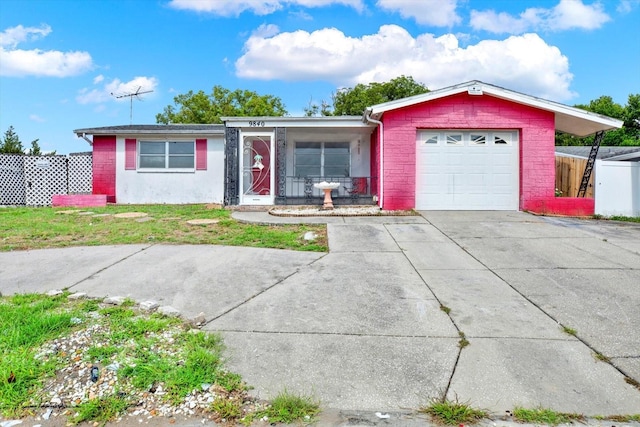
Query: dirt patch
{"points": [[130, 215], [202, 221], [68, 212]]}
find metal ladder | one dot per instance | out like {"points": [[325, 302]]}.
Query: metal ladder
{"points": [[591, 161]]}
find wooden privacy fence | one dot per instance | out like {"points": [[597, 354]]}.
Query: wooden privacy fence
{"points": [[569, 172]]}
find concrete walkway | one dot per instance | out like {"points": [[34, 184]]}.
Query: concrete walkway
{"points": [[376, 324]]}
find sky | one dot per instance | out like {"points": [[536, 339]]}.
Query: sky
{"points": [[69, 64]]}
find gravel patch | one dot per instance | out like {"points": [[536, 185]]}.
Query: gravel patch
{"points": [[80, 379]]}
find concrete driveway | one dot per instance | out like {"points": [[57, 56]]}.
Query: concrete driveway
{"points": [[376, 323]]}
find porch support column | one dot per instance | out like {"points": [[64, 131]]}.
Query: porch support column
{"points": [[281, 166], [231, 177]]}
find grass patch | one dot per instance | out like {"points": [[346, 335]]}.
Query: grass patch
{"points": [[26, 322], [33, 228], [453, 412], [545, 416], [444, 308], [569, 331], [100, 410], [625, 218], [289, 408], [624, 418]]}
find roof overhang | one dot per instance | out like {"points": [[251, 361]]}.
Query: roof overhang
{"points": [[567, 119], [633, 157], [155, 130]]}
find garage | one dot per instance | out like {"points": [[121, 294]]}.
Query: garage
{"points": [[467, 170]]}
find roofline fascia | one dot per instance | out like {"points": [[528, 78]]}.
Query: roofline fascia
{"points": [[499, 93], [296, 122], [81, 132], [625, 156]]}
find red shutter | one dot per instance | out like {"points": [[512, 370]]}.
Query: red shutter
{"points": [[130, 154], [201, 154]]}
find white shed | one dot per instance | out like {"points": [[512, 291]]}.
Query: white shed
{"points": [[617, 185]]}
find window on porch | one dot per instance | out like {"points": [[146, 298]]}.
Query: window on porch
{"points": [[322, 159]]}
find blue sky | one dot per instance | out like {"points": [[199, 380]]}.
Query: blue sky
{"points": [[60, 60]]}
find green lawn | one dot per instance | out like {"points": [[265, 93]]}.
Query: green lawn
{"points": [[33, 228]]}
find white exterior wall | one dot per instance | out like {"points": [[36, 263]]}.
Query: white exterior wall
{"points": [[617, 188], [198, 186]]}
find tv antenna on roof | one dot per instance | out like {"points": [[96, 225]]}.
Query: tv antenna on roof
{"points": [[132, 95]]}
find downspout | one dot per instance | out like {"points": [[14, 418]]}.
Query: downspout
{"points": [[84, 136], [367, 119]]}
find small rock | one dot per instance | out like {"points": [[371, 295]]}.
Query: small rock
{"points": [[113, 367], [117, 300], [310, 235], [77, 295], [148, 305], [47, 414], [167, 310], [10, 423], [56, 401], [54, 292], [199, 320]]}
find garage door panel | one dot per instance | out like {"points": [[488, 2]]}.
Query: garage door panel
{"points": [[468, 176]]}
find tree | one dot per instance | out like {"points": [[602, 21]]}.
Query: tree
{"points": [[199, 107], [324, 109], [353, 101], [35, 148], [11, 143]]}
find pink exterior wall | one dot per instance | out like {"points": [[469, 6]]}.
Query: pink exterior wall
{"points": [[463, 111], [79, 200], [569, 206], [104, 166]]}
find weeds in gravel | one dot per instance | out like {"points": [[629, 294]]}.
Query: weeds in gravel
{"points": [[453, 412], [288, 408], [545, 416], [26, 322], [135, 352]]}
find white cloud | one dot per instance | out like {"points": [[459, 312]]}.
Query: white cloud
{"points": [[35, 62], [97, 79], [440, 13], [626, 6], [257, 7], [111, 90], [11, 37], [524, 63], [567, 14], [36, 118]]}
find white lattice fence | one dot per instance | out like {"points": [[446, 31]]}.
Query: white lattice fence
{"points": [[12, 179], [80, 173], [32, 180], [44, 176]]}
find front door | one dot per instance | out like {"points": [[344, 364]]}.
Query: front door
{"points": [[257, 166]]}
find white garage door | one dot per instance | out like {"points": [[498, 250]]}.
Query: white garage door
{"points": [[471, 170]]}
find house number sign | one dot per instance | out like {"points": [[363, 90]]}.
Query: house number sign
{"points": [[256, 123]]}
